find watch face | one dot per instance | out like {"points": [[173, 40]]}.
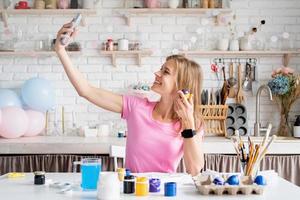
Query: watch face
{"points": [[188, 133]]}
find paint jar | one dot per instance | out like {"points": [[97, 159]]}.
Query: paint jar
{"points": [[154, 185], [121, 173], [141, 187], [39, 178], [129, 184], [170, 189]]}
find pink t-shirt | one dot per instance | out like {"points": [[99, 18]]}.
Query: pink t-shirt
{"points": [[152, 146]]}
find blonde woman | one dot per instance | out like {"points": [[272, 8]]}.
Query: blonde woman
{"points": [[159, 133]]}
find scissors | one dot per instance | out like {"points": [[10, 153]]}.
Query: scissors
{"points": [[215, 68]]}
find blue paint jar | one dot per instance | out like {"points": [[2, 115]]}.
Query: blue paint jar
{"points": [[170, 189], [154, 185]]}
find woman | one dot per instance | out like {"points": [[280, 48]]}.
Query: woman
{"points": [[159, 133]]}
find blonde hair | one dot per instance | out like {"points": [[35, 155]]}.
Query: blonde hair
{"points": [[189, 76]]}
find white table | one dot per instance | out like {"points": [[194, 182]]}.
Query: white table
{"points": [[24, 189]]}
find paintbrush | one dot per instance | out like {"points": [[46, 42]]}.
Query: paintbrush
{"points": [[257, 147], [264, 151], [267, 135]]}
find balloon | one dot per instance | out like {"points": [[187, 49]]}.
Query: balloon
{"points": [[9, 98], [14, 122], [0, 117], [38, 94], [36, 122]]}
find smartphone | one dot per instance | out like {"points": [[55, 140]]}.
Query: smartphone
{"points": [[75, 23]]}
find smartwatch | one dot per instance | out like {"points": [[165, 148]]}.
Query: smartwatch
{"points": [[188, 133]]}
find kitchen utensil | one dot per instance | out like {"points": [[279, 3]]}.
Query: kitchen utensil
{"points": [[240, 95], [255, 82], [231, 82], [214, 67], [247, 84], [224, 90], [236, 119]]}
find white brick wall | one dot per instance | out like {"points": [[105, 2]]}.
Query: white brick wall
{"points": [[161, 32]]}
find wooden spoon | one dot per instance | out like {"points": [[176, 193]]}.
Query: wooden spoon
{"points": [[240, 95]]}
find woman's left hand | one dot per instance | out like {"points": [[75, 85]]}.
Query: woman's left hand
{"points": [[185, 110]]}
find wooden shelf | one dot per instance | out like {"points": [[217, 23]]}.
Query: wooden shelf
{"points": [[285, 54], [139, 54], [49, 11], [35, 53], [241, 53], [131, 12]]}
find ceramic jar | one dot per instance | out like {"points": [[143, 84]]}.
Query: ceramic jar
{"points": [[234, 45], [223, 44], [51, 4], [123, 44], [89, 4], [245, 43], [173, 3], [40, 4]]}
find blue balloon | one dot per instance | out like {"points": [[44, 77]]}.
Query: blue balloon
{"points": [[38, 94], [9, 98]]}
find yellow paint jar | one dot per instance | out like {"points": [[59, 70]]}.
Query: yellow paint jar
{"points": [[121, 173], [141, 186]]}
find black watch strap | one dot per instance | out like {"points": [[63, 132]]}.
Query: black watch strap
{"points": [[188, 133]]}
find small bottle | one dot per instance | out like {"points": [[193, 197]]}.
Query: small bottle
{"points": [[110, 45], [211, 4], [185, 4], [205, 3], [39, 178], [129, 184]]}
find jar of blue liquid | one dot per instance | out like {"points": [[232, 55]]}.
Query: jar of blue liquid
{"points": [[90, 173]]}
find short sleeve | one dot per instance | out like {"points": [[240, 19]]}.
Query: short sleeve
{"points": [[129, 103]]}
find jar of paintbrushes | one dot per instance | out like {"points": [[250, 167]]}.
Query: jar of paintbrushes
{"points": [[250, 154]]}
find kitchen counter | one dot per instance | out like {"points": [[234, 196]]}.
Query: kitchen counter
{"points": [[101, 145]]}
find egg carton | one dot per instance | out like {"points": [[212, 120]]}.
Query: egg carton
{"points": [[205, 185]]}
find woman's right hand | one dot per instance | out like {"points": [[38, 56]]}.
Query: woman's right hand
{"points": [[66, 29]]}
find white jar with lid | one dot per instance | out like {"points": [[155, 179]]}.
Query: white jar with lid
{"points": [[123, 44]]}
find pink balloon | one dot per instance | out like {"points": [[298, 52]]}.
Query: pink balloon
{"points": [[14, 122], [0, 117], [36, 123]]}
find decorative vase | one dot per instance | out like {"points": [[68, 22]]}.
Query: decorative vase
{"points": [[284, 127], [151, 3]]}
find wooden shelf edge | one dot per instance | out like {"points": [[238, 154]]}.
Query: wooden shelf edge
{"points": [[144, 52], [35, 53], [246, 53], [48, 11], [172, 10]]}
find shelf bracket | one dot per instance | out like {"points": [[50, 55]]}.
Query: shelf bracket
{"points": [[139, 57], [113, 60], [4, 18], [286, 59], [128, 19]]}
